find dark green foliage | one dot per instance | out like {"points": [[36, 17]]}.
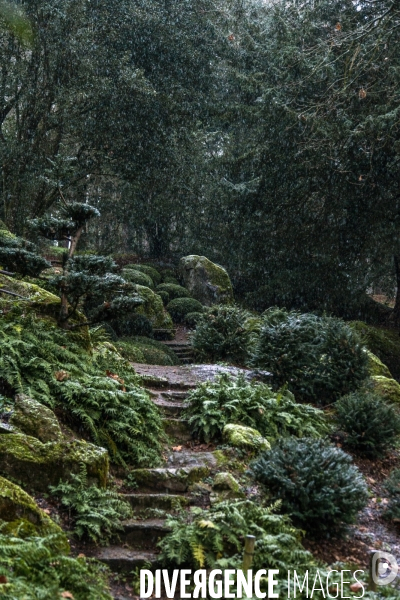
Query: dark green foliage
{"points": [[214, 538], [16, 254], [180, 307], [144, 350], [173, 290], [171, 280], [135, 324], [148, 270], [164, 296], [38, 568], [96, 513], [72, 217], [372, 427], [392, 486], [114, 412], [317, 483], [191, 319], [223, 334], [135, 276], [211, 406], [320, 358]]}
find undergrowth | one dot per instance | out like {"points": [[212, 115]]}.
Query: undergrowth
{"points": [[96, 513], [37, 568], [97, 393], [211, 406]]}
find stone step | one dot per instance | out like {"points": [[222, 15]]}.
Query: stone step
{"points": [[169, 409], [143, 535], [174, 396], [167, 502], [177, 430], [174, 479], [126, 560]]}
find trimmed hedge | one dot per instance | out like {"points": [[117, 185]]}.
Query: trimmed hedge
{"points": [[180, 307]]}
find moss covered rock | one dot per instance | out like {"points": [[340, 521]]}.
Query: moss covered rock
{"points": [[383, 342], [40, 300], [18, 509], [388, 388], [39, 465], [153, 308], [225, 481], [207, 282], [244, 437], [35, 419], [376, 366]]}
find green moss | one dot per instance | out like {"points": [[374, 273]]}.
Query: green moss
{"points": [[376, 366], [40, 300], [239, 436], [153, 308], [226, 481], [207, 282], [173, 290], [39, 465], [384, 343], [18, 509], [389, 389], [35, 419], [221, 458], [180, 307]]}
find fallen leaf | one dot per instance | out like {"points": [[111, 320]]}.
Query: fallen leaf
{"points": [[338, 27], [176, 448], [356, 587], [67, 595], [81, 555], [61, 375], [362, 94], [3, 579], [47, 511]]}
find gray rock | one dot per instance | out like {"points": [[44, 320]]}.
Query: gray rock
{"points": [[207, 282], [36, 420]]}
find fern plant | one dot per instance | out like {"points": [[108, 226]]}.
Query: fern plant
{"points": [[211, 406], [96, 513], [38, 568], [99, 393]]}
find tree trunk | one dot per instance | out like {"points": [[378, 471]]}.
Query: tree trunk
{"points": [[396, 310]]}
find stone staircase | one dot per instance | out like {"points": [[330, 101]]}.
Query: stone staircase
{"points": [[166, 488], [183, 350]]}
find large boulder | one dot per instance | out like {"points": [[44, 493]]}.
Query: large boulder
{"points": [[376, 366], [247, 438], [38, 465], [153, 308], [388, 388], [19, 510], [35, 419], [207, 282]]}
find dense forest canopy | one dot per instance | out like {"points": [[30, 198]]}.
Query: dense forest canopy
{"points": [[264, 135]]}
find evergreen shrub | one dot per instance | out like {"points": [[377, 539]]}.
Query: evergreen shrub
{"points": [[180, 307], [164, 296], [317, 484], [135, 324], [191, 319], [148, 270], [372, 427], [174, 291], [144, 350], [212, 405], [320, 358], [224, 334], [134, 276], [392, 487]]}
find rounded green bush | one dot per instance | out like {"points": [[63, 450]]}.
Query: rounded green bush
{"points": [[174, 291], [164, 297], [223, 334], [172, 280], [180, 307], [134, 324], [372, 427], [191, 319], [148, 270], [144, 350], [316, 482], [319, 358], [134, 276]]}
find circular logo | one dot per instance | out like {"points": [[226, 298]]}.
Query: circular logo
{"points": [[384, 568]]}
